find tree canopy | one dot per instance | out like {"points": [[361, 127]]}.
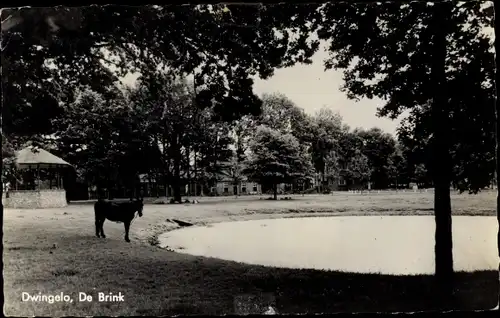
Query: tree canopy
{"points": [[385, 50], [277, 158], [415, 55], [379, 149], [51, 51]]}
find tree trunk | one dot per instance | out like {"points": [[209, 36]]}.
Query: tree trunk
{"points": [[155, 184], [195, 174], [214, 162], [176, 185], [275, 190], [188, 157], [164, 165], [441, 155], [323, 188]]}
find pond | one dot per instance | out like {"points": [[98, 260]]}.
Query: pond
{"points": [[395, 245]]}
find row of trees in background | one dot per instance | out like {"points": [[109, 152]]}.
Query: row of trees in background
{"points": [[337, 152], [44, 40], [156, 128]]}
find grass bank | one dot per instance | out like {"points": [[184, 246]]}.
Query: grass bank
{"points": [[55, 250]]}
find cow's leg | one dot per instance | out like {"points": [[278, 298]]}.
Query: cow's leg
{"points": [[102, 228], [127, 228]]}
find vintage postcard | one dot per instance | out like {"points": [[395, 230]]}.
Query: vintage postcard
{"points": [[249, 158]]}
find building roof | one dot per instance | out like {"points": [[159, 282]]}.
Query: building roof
{"points": [[28, 157]]}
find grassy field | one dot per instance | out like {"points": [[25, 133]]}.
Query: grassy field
{"points": [[55, 250]]}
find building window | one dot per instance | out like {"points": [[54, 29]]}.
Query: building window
{"points": [[254, 188], [342, 182], [244, 190], [226, 190]]}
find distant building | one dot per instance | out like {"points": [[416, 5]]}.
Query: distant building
{"points": [[227, 184], [39, 183], [341, 182]]}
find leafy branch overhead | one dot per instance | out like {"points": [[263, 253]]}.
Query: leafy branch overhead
{"points": [[61, 48], [386, 50]]}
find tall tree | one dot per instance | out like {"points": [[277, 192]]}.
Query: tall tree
{"points": [[237, 167], [243, 130], [412, 55], [328, 128], [398, 167], [277, 158], [277, 112], [103, 138], [216, 154], [414, 140], [379, 148], [357, 169], [171, 120], [52, 51]]}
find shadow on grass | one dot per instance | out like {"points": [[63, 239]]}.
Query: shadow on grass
{"points": [[218, 283], [28, 248], [160, 283], [304, 291]]}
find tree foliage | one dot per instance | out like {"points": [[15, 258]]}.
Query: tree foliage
{"points": [[385, 51], [415, 55], [103, 139], [379, 148], [168, 110], [328, 128], [277, 112], [51, 51], [358, 168], [215, 152], [277, 158], [399, 174]]}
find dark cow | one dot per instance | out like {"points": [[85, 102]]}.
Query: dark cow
{"points": [[117, 212]]}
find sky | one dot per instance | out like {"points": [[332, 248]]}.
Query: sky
{"points": [[312, 88]]}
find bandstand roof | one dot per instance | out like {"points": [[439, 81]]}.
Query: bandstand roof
{"points": [[27, 158]]}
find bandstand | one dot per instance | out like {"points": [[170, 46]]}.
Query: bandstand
{"points": [[38, 182]]}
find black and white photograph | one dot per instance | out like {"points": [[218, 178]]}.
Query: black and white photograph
{"points": [[249, 158]]}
